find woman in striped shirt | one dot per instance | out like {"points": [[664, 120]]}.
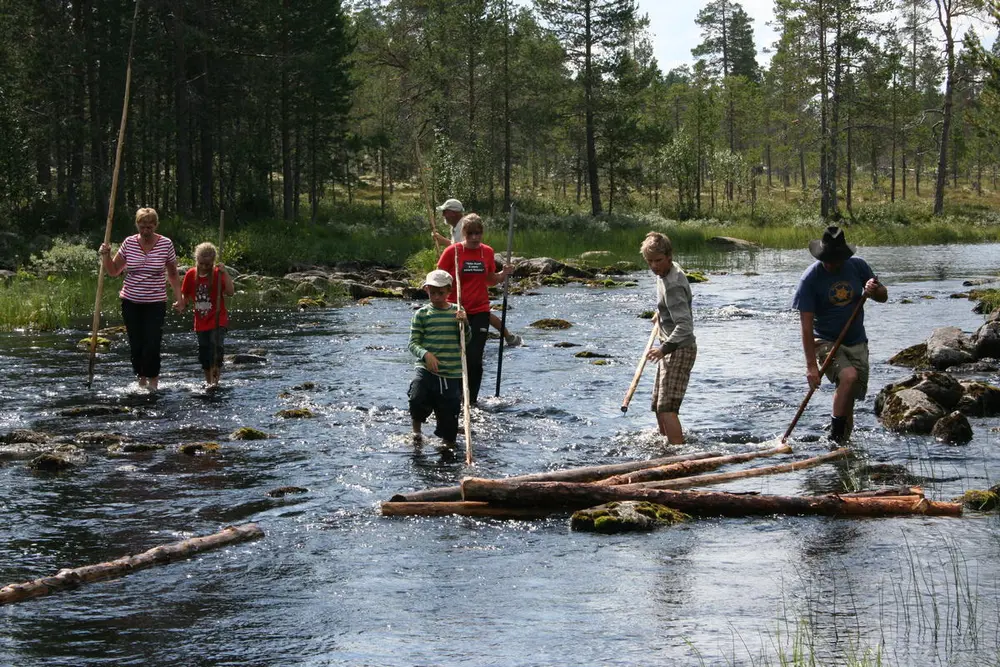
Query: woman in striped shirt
{"points": [[145, 258]]}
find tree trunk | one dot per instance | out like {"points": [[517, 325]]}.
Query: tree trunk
{"points": [[587, 474], [70, 578], [949, 101], [589, 78], [567, 496], [182, 111], [706, 480]]}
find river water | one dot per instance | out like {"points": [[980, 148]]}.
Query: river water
{"points": [[335, 583]]}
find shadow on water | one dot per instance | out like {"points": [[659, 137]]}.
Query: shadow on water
{"points": [[335, 583]]}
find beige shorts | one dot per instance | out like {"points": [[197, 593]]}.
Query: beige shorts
{"points": [[847, 356], [672, 376]]}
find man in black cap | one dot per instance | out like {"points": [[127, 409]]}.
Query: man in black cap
{"points": [[827, 295]]}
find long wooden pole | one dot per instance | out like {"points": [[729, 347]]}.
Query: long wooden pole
{"points": [[465, 364], [427, 196], [719, 478], [688, 468], [70, 578], [220, 296], [642, 365], [826, 363], [111, 200], [506, 284]]}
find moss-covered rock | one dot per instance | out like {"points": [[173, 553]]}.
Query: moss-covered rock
{"points": [[600, 362], [696, 276], [626, 516], [305, 386], [305, 303], [550, 323], [102, 343], [295, 413], [196, 448], [248, 433], [979, 500], [63, 457], [646, 314], [133, 448], [24, 435], [587, 354], [555, 280], [953, 429], [914, 356], [565, 344], [95, 411], [97, 438]]}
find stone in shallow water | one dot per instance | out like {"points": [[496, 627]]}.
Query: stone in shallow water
{"points": [[550, 323], [248, 433], [282, 491], [95, 411], [626, 516]]}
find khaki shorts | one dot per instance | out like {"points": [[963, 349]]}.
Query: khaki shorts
{"points": [[672, 376], [847, 356]]}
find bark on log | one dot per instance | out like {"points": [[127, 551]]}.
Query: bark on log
{"points": [[70, 578], [559, 496], [587, 474], [462, 508], [890, 491], [688, 468], [705, 480]]}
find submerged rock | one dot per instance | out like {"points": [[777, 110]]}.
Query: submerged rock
{"points": [[133, 448], [282, 491], [979, 500], [98, 438], [986, 340], [980, 399], [626, 516], [63, 457], [565, 344], [295, 413], [240, 359], [550, 323], [587, 354], [96, 411], [24, 435], [23, 450], [248, 433], [195, 448]]}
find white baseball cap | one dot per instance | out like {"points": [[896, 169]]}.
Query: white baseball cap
{"points": [[451, 205], [438, 278]]}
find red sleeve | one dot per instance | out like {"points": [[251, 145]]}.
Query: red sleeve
{"points": [[447, 260], [188, 285]]}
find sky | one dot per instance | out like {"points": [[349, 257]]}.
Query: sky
{"points": [[674, 32]]}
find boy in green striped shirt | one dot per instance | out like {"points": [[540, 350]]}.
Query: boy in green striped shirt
{"points": [[434, 341]]}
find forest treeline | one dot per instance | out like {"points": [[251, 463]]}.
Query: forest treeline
{"points": [[275, 108]]}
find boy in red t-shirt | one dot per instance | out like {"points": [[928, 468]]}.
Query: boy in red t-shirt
{"points": [[202, 286]]}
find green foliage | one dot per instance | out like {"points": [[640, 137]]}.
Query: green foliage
{"points": [[66, 257], [420, 263]]}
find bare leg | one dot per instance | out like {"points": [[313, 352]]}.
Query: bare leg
{"points": [[142, 381], [670, 426], [153, 383]]}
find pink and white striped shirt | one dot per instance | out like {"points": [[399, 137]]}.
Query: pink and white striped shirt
{"points": [[145, 272]]}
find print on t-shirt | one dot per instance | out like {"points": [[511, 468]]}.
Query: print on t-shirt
{"points": [[473, 266], [841, 293], [202, 299]]}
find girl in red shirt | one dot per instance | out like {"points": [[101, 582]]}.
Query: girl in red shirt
{"points": [[202, 285]]}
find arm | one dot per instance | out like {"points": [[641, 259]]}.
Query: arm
{"points": [[228, 288], [416, 344], [174, 280], [680, 313], [809, 347], [440, 239], [876, 291], [115, 266]]}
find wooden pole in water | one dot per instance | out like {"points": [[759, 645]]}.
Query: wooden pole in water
{"points": [[465, 364], [687, 468], [642, 365], [503, 311], [705, 480], [70, 578], [111, 200]]}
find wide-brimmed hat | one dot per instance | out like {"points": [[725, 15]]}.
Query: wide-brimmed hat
{"points": [[451, 205], [438, 278], [833, 247]]}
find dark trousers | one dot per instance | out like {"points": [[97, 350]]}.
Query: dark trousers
{"points": [[144, 324], [443, 396], [210, 347], [480, 323]]}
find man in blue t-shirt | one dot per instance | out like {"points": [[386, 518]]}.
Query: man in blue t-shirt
{"points": [[828, 294]]}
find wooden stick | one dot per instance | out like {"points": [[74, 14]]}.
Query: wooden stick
{"points": [[560, 496], [503, 311], [705, 480], [70, 578], [427, 196], [111, 201], [220, 300], [642, 365], [461, 508], [465, 365], [688, 468], [826, 363], [587, 474]]}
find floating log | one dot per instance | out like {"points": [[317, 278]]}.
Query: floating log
{"points": [[688, 468], [890, 491], [70, 578], [705, 480], [462, 508], [559, 496], [588, 474]]}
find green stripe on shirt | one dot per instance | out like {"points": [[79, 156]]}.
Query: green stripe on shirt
{"points": [[436, 330]]}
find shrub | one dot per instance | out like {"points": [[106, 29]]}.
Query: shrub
{"points": [[66, 256]]}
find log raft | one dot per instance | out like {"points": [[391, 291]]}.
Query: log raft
{"points": [[587, 474], [719, 478], [166, 553], [687, 468], [569, 496]]}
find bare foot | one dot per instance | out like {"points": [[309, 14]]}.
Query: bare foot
{"points": [[153, 383], [142, 381]]}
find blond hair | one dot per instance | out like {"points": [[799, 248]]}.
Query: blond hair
{"points": [[656, 243], [146, 215], [471, 223], [205, 250]]}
